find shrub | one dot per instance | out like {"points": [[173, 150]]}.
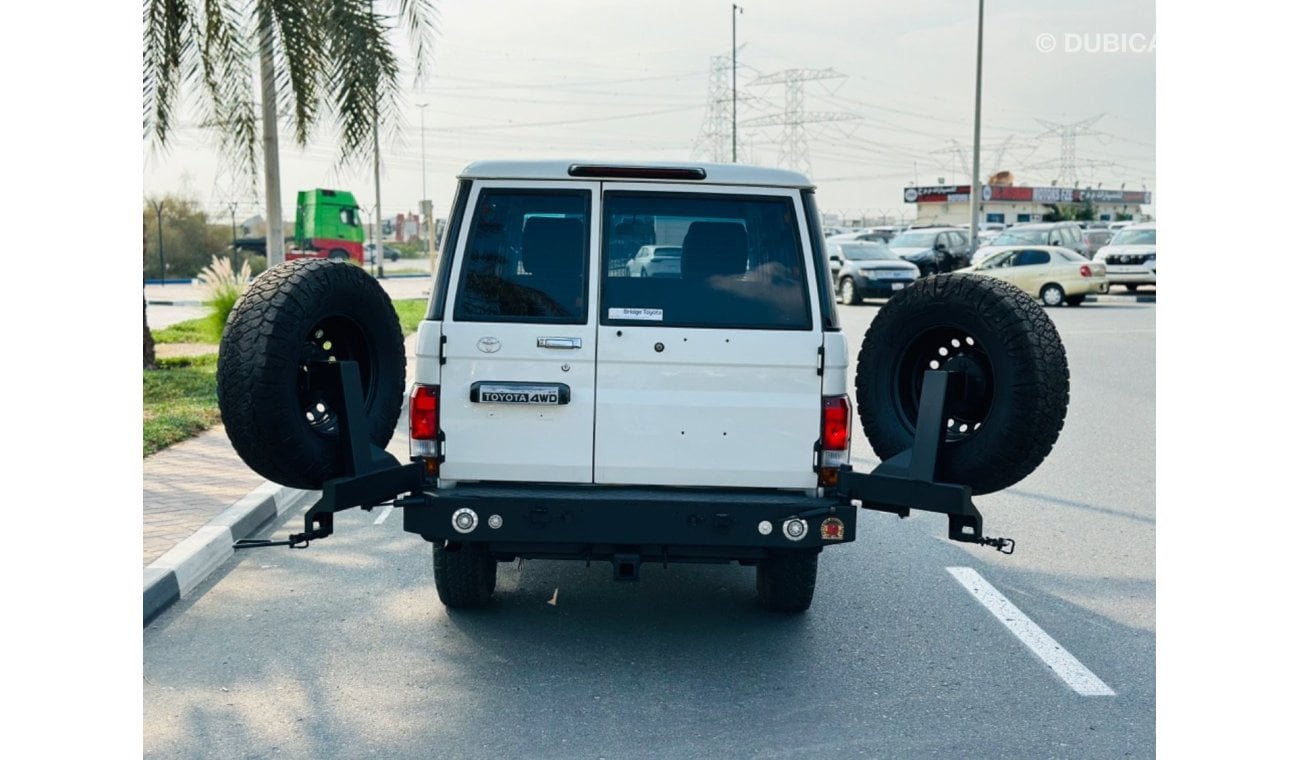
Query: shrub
{"points": [[224, 286]]}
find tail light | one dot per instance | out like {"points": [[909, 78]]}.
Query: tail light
{"points": [[1085, 270], [425, 430], [833, 448]]}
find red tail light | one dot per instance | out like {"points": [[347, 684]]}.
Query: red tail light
{"points": [[1085, 270], [424, 413], [834, 445], [835, 423]]}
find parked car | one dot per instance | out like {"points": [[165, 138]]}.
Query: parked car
{"points": [[1058, 276], [656, 261], [1063, 234], [934, 249], [1130, 257], [868, 269], [390, 254], [1094, 239]]}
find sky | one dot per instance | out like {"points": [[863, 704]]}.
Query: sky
{"points": [[891, 103]]}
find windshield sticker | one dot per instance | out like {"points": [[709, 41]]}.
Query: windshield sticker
{"points": [[648, 315]]}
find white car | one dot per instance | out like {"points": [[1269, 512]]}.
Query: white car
{"points": [[656, 261], [1130, 257]]}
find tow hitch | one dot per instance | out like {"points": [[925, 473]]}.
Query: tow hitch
{"points": [[906, 481], [372, 476]]}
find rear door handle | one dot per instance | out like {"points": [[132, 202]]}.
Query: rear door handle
{"points": [[559, 342]]}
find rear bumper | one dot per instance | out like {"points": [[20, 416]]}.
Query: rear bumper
{"points": [[880, 288], [599, 522]]}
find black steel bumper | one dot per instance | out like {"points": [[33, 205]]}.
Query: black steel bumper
{"points": [[602, 522]]}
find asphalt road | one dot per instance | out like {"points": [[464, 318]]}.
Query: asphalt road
{"points": [[342, 650]]}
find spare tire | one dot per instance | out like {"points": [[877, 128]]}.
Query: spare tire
{"points": [[278, 411], [1008, 405]]}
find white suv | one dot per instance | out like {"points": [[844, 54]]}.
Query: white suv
{"points": [[1130, 256], [563, 410]]}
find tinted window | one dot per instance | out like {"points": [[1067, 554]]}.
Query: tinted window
{"points": [[526, 258], [741, 262], [1032, 258]]}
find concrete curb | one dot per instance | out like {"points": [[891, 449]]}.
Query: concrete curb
{"points": [[175, 574]]}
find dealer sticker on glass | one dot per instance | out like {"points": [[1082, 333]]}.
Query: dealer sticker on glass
{"points": [[647, 315]]}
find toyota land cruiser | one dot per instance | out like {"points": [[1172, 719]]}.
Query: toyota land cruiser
{"points": [[563, 410]]}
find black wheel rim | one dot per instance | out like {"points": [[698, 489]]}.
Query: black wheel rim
{"points": [[330, 340], [970, 393]]}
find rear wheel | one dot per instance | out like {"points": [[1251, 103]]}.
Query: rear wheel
{"points": [[1012, 383], [1132, 288], [1052, 294], [849, 292], [465, 577], [279, 405], [338, 253], [786, 582]]}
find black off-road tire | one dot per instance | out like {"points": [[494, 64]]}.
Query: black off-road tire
{"points": [[280, 414], [1007, 409], [786, 582], [465, 578]]}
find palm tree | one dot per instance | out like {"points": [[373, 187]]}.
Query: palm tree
{"points": [[318, 59]]}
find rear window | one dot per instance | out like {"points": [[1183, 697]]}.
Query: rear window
{"points": [[741, 262], [525, 258]]}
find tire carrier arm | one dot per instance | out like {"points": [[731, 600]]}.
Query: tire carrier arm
{"points": [[906, 481], [373, 476]]}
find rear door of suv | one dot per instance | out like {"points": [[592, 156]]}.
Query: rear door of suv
{"points": [[519, 338], [707, 377]]}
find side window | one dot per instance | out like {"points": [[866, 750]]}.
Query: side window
{"points": [[736, 262], [526, 258], [1032, 258]]}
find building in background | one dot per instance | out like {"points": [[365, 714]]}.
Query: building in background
{"points": [[1017, 204]]}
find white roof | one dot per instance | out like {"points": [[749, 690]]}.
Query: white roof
{"points": [[715, 174]]}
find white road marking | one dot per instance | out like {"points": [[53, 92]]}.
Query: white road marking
{"points": [[1064, 664], [383, 514]]}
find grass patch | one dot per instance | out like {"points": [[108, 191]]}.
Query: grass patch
{"points": [[180, 396], [190, 331], [180, 400], [409, 313]]}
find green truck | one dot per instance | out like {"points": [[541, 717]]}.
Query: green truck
{"points": [[327, 225]]}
